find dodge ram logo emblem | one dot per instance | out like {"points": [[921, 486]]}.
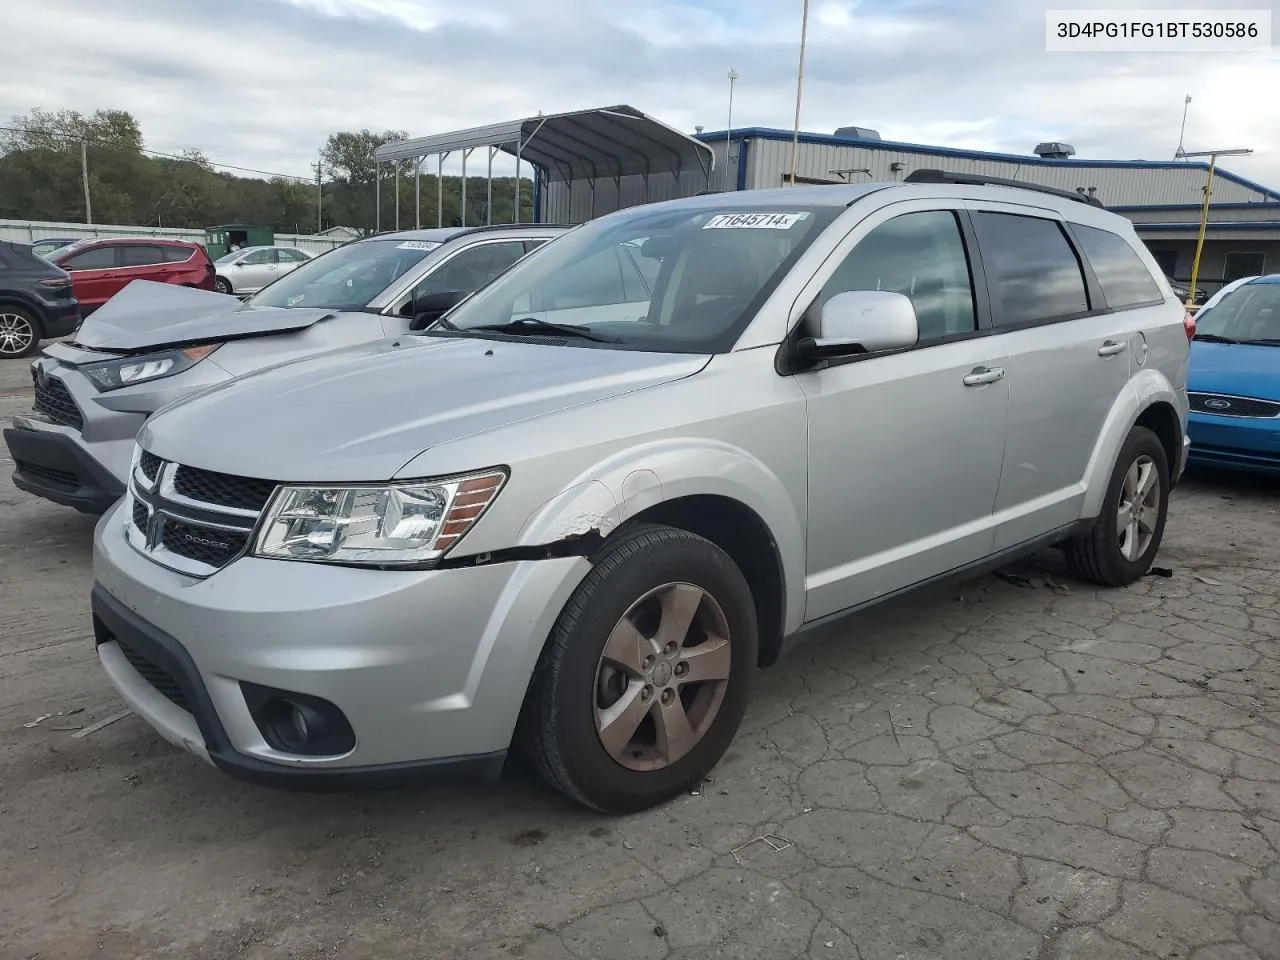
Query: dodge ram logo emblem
{"points": [[1216, 404]]}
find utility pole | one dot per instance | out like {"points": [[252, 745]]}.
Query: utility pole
{"points": [[795, 135], [84, 177], [1213, 156], [319, 195]]}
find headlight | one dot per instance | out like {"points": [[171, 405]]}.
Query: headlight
{"points": [[394, 524], [152, 366]]}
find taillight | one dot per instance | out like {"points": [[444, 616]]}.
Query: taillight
{"points": [[1188, 324]]}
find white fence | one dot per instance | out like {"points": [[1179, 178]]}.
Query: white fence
{"points": [[28, 231]]}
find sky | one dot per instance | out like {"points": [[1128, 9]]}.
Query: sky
{"points": [[261, 83]]}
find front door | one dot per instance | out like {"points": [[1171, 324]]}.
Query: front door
{"points": [[904, 449], [93, 275], [257, 269]]}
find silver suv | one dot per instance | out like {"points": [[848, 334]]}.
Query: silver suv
{"points": [[154, 343], [577, 513]]}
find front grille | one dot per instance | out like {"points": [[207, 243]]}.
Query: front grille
{"points": [[54, 401], [150, 465], [223, 489], [215, 548], [159, 678], [1228, 406], [140, 514], [58, 478]]}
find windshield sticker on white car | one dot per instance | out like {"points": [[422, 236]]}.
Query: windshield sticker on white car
{"points": [[418, 245], [754, 221]]}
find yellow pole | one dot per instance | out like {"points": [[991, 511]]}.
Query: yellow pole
{"points": [[1204, 220]]}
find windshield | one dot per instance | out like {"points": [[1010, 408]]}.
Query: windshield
{"points": [[664, 279], [346, 278], [1250, 314]]}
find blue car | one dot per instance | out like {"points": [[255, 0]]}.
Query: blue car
{"points": [[1234, 381]]}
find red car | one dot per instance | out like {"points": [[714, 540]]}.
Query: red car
{"points": [[101, 268]]}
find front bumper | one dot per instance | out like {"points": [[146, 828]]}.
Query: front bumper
{"points": [[1238, 443], [51, 464], [429, 668]]}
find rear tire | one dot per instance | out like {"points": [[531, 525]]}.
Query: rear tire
{"points": [[20, 332], [222, 285], [1124, 540], [663, 633]]}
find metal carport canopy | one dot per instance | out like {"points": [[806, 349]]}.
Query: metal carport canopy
{"points": [[582, 144]]}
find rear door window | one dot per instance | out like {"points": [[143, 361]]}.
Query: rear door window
{"points": [[177, 254], [1033, 273], [1124, 278], [140, 255]]}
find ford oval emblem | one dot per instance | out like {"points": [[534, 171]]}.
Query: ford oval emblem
{"points": [[1216, 404]]}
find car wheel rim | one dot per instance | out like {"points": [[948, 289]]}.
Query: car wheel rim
{"points": [[15, 333], [662, 676], [1139, 510]]}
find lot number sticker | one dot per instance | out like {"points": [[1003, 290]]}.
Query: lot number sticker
{"points": [[418, 245], [753, 221]]}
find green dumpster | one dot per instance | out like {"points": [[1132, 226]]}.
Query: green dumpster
{"points": [[226, 237]]}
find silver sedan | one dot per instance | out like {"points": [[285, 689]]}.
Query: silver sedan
{"points": [[249, 269]]}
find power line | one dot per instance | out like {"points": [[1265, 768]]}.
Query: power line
{"points": [[157, 153]]}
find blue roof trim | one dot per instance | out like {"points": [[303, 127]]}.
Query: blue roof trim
{"points": [[1211, 227], [771, 133]]}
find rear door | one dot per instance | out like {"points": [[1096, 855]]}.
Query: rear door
{"points": [[142, 261], [288, 259], [93, 274], [1068, 361]]}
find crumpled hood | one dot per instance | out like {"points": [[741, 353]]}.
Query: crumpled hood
{"points": [[361, 414], [1237, 369], [146, 315]]}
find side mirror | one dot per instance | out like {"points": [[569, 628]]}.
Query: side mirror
{"points": [[862, 321], [429, 308]]}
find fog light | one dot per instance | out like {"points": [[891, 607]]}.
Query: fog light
{"points": [[297, 722]]}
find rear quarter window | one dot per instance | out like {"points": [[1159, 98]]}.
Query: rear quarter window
{"points": [[178, 254], [1124, 278]]}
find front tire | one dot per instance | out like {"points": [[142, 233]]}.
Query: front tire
{"points": [[647, 673], [20, 332], [222, 285], [1123, 542]]}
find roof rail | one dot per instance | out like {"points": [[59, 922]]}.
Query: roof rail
{"points": [[982, 180]]}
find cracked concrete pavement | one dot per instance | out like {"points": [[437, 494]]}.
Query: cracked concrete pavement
{"points": [[1003, 770]]}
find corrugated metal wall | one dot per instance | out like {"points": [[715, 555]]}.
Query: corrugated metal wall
{"points": [[28, 231], [583, 200], [1259, 211], [770, 162]]}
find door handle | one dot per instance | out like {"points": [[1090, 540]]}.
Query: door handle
{"points": [[981, 376], [1112, 347]]}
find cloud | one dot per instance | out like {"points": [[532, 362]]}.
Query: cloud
{"points": [[260, 83]]}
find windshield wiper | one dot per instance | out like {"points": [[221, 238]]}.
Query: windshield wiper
{"points": [[1213, 338], [532, 325], [1264, 342]]}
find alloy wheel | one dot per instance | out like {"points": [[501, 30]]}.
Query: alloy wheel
{"points": [[16, 334], [1139, 509], [662, 676]]}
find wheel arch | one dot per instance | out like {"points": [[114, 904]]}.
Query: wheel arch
{"points": [[1150, 400]]}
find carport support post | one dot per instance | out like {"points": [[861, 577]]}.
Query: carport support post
{"points": [[519, 147], [417, 193], [396, 173], [440, 189], [465, 153], [488, 194], [377, 196]]}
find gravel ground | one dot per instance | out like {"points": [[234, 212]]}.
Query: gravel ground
{"points": [[1011, 769]]}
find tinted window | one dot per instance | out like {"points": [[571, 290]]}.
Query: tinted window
{"points": [[531, 245], [259, 257], [922, 256], [471, 269], [177, 254], [1237, 265], [1123, 276], [1032, 272], [99, 258], [140, 256]]}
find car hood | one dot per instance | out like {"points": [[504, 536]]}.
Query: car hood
{"points": [[148, 315], [363, 413], [1236, 369]]}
